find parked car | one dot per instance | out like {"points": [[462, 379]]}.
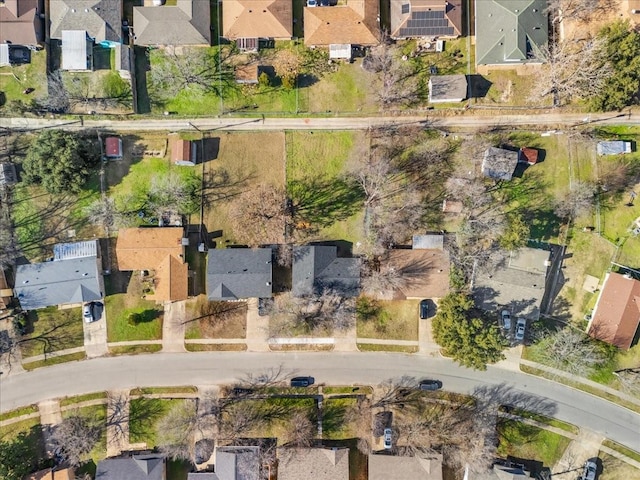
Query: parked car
{"points": [[505, 320], [388, 436], [430, 384], [88, 312], [312, 3], [302, 381], [424, 309], [590, 470], [265, 305], [521, 326]]}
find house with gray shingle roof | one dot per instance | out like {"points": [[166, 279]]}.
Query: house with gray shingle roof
{"points": [[188, 22], [510, 32], [313, 463], [316, 267], [73, 277], [237, 463], [236, 273], [421, 466], [499, 163], [134, 467], [102, 19]]}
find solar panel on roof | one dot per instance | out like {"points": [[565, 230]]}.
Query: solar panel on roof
{"points": [[426, 23], [427, 15], [406, 8], [426, 31]]}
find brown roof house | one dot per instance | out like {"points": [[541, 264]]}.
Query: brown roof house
{"points": [[426, 18], [422, 466], [424, 268], [257, 19], [52, 474], [616, 316], [183, 152], [354, 22], [187, 22], [160, 250], [314, 463], [113, 147], [20, 22]]}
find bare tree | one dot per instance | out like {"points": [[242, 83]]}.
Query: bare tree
{"points": [[173, 192], [576, 202], [104, 213], [398, 83], [301, 430], [573, 69], [260, 215], [571, 350], [381, 278], [580, 10], [74, 438], [177, 431], [57, 99]]}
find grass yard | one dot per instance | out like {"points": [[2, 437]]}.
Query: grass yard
{"points": [[73, 357], [135, 349], [244, 159], [507, 87], [50, 329], [28, 410], [334, 423], [523, 441], [83, 398], [327, 205], [348, 90], [616, 469], [120, 305], [372, 347], [215, 319], [14, 80], [145, 413], [94, 414], [395, 320]]}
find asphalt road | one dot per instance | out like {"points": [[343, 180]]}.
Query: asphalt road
{"points": [[472, 120], [209, 368]]}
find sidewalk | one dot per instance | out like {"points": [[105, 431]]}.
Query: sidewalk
{"points": [[173, 327]]}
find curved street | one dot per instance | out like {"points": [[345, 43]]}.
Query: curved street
{"points": [[209, 368]]}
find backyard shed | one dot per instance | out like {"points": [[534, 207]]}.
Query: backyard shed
{"points": [[113, 147], [340, 51], [615, 147], [447, 88], [528, 155], [183, 152]]}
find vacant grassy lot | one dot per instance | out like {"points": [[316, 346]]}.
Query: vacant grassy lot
{"points": [[524, 441], [51, 328], [244, 159], [145, 413], [349, 89], [395, 320], [120, 305], [14, 80], [507, 87], [216, 319]]}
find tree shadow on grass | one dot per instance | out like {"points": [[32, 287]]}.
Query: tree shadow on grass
{"points": [[144, 413], [323, 202], [333, 417]]}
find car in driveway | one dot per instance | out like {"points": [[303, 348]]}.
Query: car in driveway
{"points": [[88, 312], [388, 438], [429, 384], [424, 309], [521, 326], [505, 320], [590, 470], [302, 381], [312, 3]]}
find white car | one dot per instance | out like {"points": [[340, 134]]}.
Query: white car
{"points": [[87, 312], [506, 319], [521, 326], [387, 438]]}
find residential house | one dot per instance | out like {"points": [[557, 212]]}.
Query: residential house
{"points": [[516, 282], [313, 463], [132, 467], [77, 50], [21, 22], [69, 279], [238, 273], [424, 268], [113, 147], [447, 88], [426, 18], [317, 267], [7, 174], [188, 22], [101, 19], [422, 466], [499, 163], [159, 250], [237, 463], [616, 316], [352, 22], [510, 32], [202, 476], [509, 472], [244, 19], [5, 292], [614, 147], [52, 474], [183, 152]]}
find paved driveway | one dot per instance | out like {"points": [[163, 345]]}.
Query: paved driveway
{"points": [[95, 333]]}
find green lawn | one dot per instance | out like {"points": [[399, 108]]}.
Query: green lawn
{"points": [[73, 357], [95, 414], [14, 80], [120, 305], [145, 413], [52, 329], [334, 423], [19, 412], [395, 320], [527, 442], [616, 469], [83, 398], [371, 347], [135, 349]]}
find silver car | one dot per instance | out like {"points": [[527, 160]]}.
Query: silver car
{"points": [[387, 438], [521, 326], [590, 469], [505, 320]]}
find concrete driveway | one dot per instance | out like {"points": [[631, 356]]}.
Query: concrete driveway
{"points": [[95, 333]]}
